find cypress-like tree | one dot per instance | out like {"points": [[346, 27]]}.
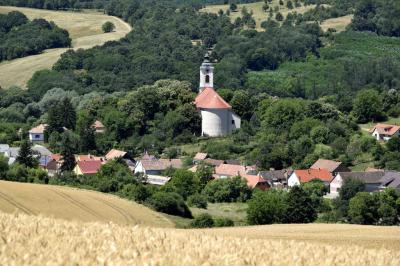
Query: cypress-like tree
{"points": [[26, 155], [86, 132], [68, 114], [67, 153]]}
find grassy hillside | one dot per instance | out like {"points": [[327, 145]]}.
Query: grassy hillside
{"points": [[74, 204], [49, 241], [258, 13], [339, 24], [84, 29]]}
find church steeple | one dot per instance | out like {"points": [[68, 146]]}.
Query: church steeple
{"points": [[206, 73]]}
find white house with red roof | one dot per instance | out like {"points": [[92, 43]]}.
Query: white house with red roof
{"points": [[217, 117], [385, 131], [37, 133]]}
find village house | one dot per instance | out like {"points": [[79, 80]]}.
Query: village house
{"points": [[157, 180], [54, 165], [374, 181], [256, 181], [303, 176], [37, 133], [88, 157], [333, 167], [199, 157], [114, 154], [276, 178], [87, 167], [41, 153], [98, 127], [172, 163], [385, 131], [217, 117], [231, 170], [150, 167]]}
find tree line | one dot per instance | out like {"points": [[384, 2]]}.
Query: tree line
{"points": [[20, 37]]}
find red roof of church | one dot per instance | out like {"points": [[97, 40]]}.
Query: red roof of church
{"points": [[209, 98]]}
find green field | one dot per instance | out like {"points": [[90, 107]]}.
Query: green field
{"points": [[234, 211]]}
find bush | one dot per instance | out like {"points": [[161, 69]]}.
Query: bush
{"points": [[203, 221], [227, 190], [108, 27], [137, 192], [223, 222], [197, 200], [170, 203], [266, 207]]}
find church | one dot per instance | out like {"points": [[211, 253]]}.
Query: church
{"points": [[217, 117]]}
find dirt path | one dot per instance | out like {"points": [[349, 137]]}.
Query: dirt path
{"points": [[85, 31]]}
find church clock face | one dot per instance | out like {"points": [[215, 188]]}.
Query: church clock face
{"points": [[207, 70]]}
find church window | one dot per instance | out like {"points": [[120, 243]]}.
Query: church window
{"points": [[207, 79]]}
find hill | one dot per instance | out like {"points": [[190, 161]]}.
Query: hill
{"points": [[84, 29], [74, 204], [95, 243], [257, 8]]}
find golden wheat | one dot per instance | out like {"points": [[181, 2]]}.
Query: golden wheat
{"points": [[75, 204], [30, 240]]}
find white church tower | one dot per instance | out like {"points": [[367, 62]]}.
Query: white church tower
{"points": [[217, 118], [206, 74]]}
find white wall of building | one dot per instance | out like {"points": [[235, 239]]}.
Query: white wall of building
{"points": [[335, 185], [36, 137], [206, 69], [293, 180], [236, 121], [215, 122]]}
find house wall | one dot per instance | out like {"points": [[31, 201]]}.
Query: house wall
{"points": [[77, 170], [215, 122], [139, 168], [235, 122], [336, 184], [36, 137], [293, 180]]}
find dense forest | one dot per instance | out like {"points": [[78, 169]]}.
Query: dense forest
{"points": [[20, 37]]}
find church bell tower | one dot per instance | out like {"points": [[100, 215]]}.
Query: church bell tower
{"points": [[206, 74]]}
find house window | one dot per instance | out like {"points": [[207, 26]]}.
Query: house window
{"points": [[233, 122], [207, 79], [37, 136]]}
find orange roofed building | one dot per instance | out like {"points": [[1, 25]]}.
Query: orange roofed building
{"points": [[385, 131], [303, 176], [217, 117]]}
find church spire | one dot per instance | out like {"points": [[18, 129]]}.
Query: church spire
{"points": [[206, 73]]}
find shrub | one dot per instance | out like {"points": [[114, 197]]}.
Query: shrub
{"points": [[227, 190], [300, 208], [137, 192], [223, 222], [197, 200], [170, 203], [266, 207], [108, 27], [203, 221], [183, 182]]}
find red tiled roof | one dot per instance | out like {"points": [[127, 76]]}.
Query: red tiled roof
{"points": [[113, 154], [154, 164], [329, 165], [89, 167], [38, 129], [173, 163], [56, 157], [209, 98], [254, 180], [385, 129], [98, 125], [231, 170], [311, 174], [200, 156], [214, 162]]}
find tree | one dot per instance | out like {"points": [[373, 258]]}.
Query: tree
{"points": [[86, 132], [26, 155], [3, 166], [289, 4], [363, 209], [67, 152], [197, 200], [183, 182], [279, 16], [67, 113], [266, 207], [350, 187], [170, 203], [108, 27], [299, 206], [233, 7], [367, 106], [227, 190], [204, 173], [202, 221]]}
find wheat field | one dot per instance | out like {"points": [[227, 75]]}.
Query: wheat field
{"points": [[30, 240], [84, 29], [75, 204]]}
